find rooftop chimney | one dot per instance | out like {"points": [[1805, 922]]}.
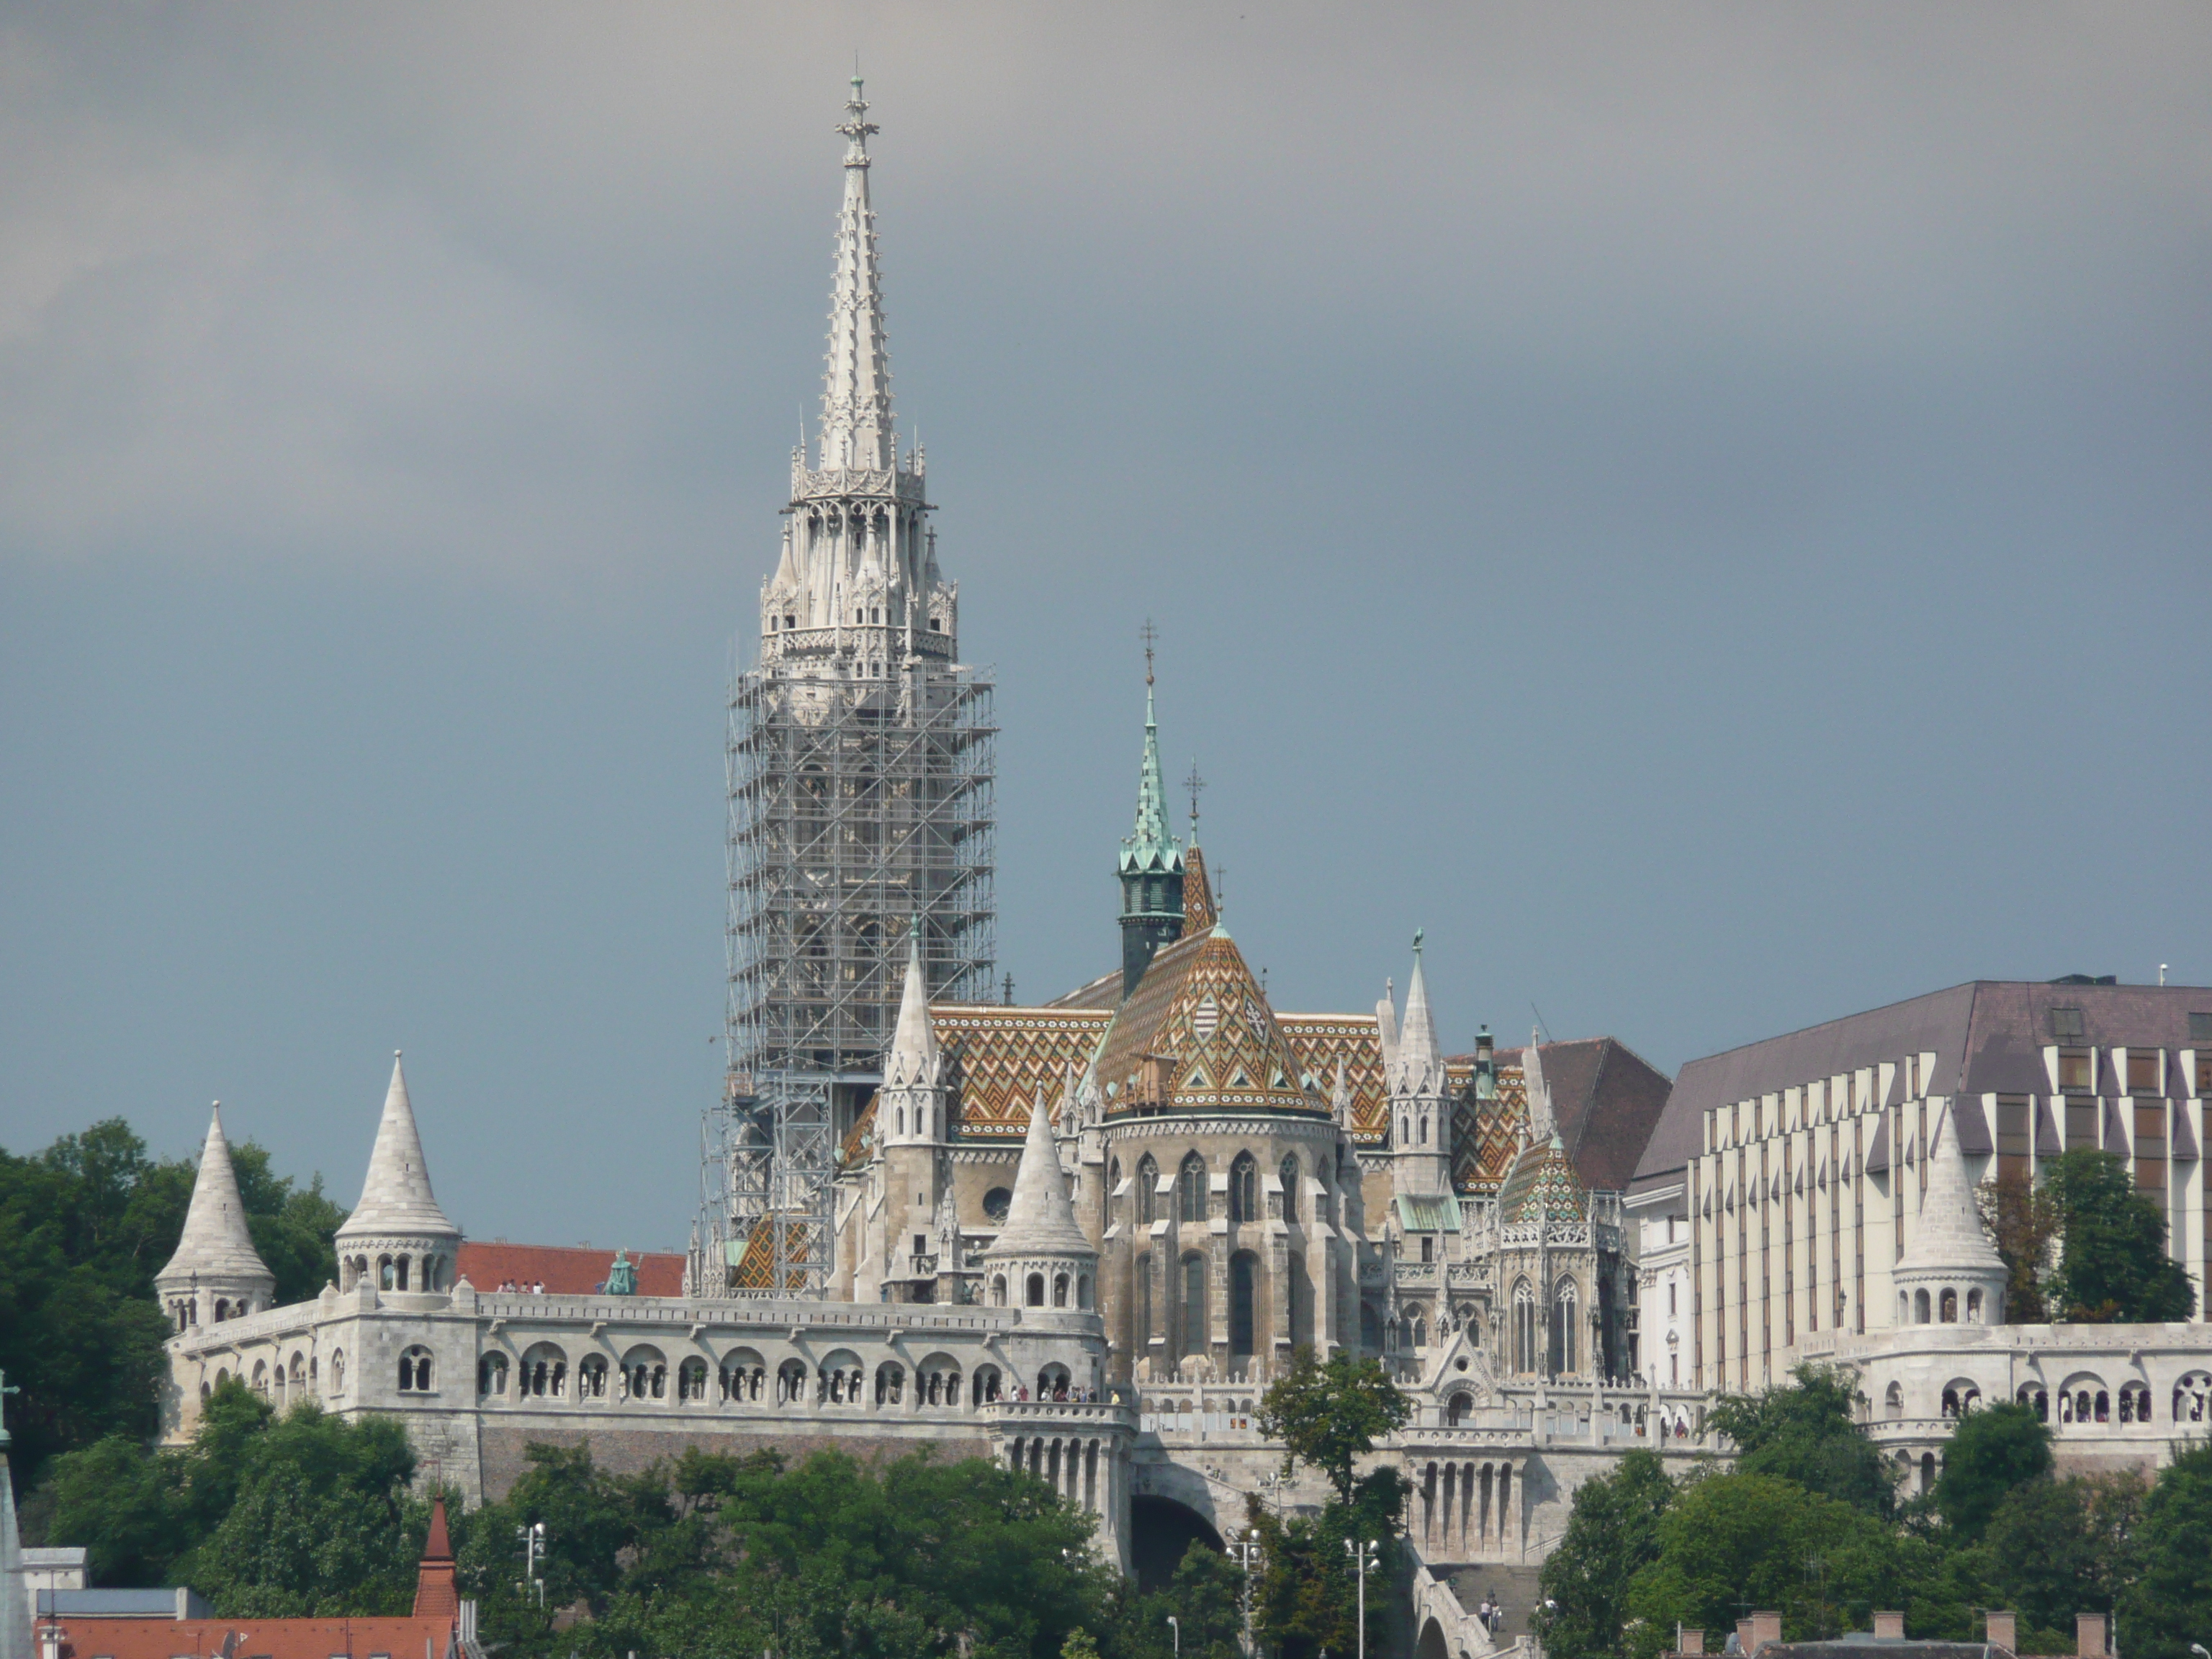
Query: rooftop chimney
{"points": [[1691, 1644], [2004, 1631], [1764, 1627], [2089, 1635], [1889, 1627], [436, 1594]]}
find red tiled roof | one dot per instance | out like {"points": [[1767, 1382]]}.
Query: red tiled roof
{"points": [[564, 1270], [248, 1639]]}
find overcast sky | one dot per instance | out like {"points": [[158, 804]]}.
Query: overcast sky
{"points": [[1703, 509]]}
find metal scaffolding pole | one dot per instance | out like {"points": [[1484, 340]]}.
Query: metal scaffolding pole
{"points": [[857, 803]]}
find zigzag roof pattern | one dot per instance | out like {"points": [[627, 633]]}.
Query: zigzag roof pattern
{"points": [[996, 1058], [1200, 1009], [1484, 1142]]}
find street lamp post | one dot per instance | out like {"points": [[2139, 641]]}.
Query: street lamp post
{"points": [[1364, 1559], [534, 1549], [1176, 1626], [1246, 1548]]}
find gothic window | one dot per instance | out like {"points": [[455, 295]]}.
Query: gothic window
{"points": [[1148, 1181], [1144, 1300], [1113, 1190], [1947, 1310], [1193, 1303], [1190, 1188], [1288, 1176], [1297, 1303], [998, 1289], [1244, 1190], [1059, 1290], [1033, 1294], [1243, 1274], [1524, 1328], [1564, 1305], [1370, 1327], [1457, 1410], [415, 1372], [338, 1370]]}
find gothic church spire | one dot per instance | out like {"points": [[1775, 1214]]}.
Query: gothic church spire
{"points": [[856, 388]]}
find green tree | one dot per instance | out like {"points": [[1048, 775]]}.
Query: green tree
{"points": [[1330, 1413], [1732, 1540], [2060, 1548], [1807, 1431], [2165, 1609], [1992, 1451], [2023, 1219], [2112, 1264], [84, 1226], [267, 1516], [1612, 1534]]}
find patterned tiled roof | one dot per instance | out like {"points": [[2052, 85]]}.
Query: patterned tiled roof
{"points": [[1200, 1009], [1199, 912], [754, 1262], [1486, 1134], [1319, 1041], [1542, 1185], [997, 1059]]}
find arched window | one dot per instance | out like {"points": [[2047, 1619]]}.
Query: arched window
{"points": [[1143, 1333], [1244, 1189], [1113, 1190], [1947, 1311], [1033, 1294], [1148, 1184], [387, 1277], [1974, 1307], [338, 1370], [1288, 1173], [987, 1384], [1059, 1290], [1243, 1274], [891, 1384], [415, 1372], [592, 1377], [1564, 1306], [1193, 1303], [790, 1382], [691, 1380], [1920, 1307], [1524, 1328], [1893, 1401], [1083, 1291], [491, 1375], [1190, 1189], [1457, 1409], [998, 1289]]}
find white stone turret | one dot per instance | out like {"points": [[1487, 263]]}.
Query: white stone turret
{"points": [[396, 1237], [911, 1110], [1420, 1114], [1040, 1258], [1950, 1274], [215, 1274]]}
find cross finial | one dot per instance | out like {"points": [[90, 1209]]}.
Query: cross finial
{"points": [[1148, 634], [1196, 784]]}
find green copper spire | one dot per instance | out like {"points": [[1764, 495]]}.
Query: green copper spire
{"points": [[1151, 859]]}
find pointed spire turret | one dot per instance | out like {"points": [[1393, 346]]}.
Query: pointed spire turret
{"points": [[397, 1219], [856, 389], [1950, 1274], [1152, 863], [214, 1259], [1041, 1223], [1418, 1065], [914, 1055]]}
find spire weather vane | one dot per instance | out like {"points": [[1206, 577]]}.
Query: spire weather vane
{"points": [[1196, 785]]}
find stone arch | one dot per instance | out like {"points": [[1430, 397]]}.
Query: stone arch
{"points": [[1432, 1644], [1947, 1306], [1287, 1173], [741, 1375], [838, 1378], [1148, 1187], [1161, 1530], [891, 1384], [1893, 1399], [937, 1381], [543, 1373], [791, 1382], [692, 1381], [1920, 1308], [1033, 1291], [645, 1373], [2036, 1399], [591, 1376], [491, 1375], [415, 1372]]}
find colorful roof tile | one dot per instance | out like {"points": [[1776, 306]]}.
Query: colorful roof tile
{"points": [[996, 1058], [1197, 1035]]}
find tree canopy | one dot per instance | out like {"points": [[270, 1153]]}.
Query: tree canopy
{"points": [[1993, 1451], [1808, 1432], [1330, 1412], [2112, 1264], [84, 1226], [1611, 1535]]}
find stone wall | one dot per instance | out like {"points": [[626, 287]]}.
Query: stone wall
{"points": [[624, 1449]]}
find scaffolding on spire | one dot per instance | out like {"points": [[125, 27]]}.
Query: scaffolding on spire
{"points": [[860, 774]]}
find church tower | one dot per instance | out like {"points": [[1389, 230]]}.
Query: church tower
{"points": [[860, 773], [1151, 865]]}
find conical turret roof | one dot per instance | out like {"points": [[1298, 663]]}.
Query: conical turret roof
{"points": [[1150, 848], [217, 1245], [1417, 1061], [396, 1199], [913, 1061], [1950, 1237], [1040, 1220]]}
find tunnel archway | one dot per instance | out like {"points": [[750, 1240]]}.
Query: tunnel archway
{"points": [[1160, 1531], [1432, 1644]]}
